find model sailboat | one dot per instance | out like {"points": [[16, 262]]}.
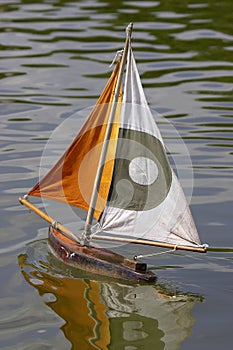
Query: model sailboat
{"points": [[117, 170]]}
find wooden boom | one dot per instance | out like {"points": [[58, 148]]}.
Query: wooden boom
{"points": [[50, 220], [199, 249]]}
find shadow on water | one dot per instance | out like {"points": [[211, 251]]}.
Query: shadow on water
{"points": [[99, 312]]}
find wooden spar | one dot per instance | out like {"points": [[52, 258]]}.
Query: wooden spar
{"points": [[90, 214], [199, 249], [50, 220]]}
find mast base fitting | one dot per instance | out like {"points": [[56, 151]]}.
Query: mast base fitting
{"points": [[86, 238]]}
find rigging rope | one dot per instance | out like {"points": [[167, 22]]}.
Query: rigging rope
{"points": [[148, 255], [118, 53]]}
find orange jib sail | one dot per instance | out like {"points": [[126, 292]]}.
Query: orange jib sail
{"points": [[72, 178]]}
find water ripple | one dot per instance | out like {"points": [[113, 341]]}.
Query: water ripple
{"points": [[54, 60]]}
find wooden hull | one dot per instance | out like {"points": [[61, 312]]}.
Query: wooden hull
{"points": [[97, 260]]}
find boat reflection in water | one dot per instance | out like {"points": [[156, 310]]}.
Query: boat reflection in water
{"points": [[100, 313]]}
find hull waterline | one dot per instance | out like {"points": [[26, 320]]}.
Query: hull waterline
{"points": [[97, 260]]}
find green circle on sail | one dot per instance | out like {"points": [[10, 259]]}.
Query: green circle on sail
{"points": [[142, 174]]}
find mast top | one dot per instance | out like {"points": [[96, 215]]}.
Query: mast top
{"points": [[129, 29]]}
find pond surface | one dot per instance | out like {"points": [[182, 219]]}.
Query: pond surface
{"points": [[54, 61]]}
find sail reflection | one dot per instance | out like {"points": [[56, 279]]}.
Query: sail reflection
{"points": [[102, 314]]}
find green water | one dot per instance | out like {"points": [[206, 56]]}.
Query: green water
{"points": [[54, 61]]}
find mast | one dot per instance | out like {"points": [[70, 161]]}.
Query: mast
{"points": [[94, 196]]}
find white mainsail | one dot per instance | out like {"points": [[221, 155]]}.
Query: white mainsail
{"points": [[146, 199]]}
